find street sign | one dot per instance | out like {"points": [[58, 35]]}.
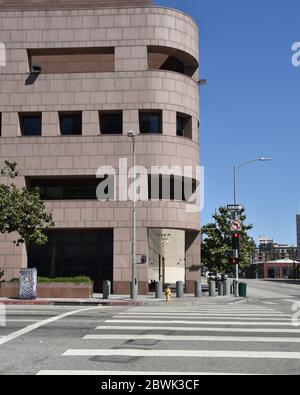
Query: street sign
{"points": [[236, 225], [235, 207]]}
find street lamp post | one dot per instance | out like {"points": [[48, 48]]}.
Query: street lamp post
{"points": [[235, 170], [134, 285]]}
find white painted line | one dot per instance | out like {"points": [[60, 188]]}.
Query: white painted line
{"points": [[199, 329], [183, 353], [183, 322], [39, 324], [193, 316], [126, 373], [270, 303], [200, 319], [195, 338]]}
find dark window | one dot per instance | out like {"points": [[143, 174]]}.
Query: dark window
{"points": [[184, 125], [111, 122], [151, 122], [66, 188], [71, 253], [70, 123], [164, 187], [31, 124]]}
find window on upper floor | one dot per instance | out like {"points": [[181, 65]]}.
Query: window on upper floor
{"points": [[184, 125], [31, 124], [111, 122], [171, 59], [150, 122], [64, 188], [70, 123], [73, 60], [170, 187]]}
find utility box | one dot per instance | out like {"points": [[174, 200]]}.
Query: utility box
{"points": [[28, 284]]}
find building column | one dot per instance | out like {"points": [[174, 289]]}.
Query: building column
{"points": [[192, 260]]}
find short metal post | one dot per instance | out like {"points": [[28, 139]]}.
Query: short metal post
{"points": [[179, 289], [158, 290], [198, 289], [106, 289], [212, 288]]}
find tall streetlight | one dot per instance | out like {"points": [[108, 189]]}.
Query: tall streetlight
{"points": [[235, 170], [134, 285]]}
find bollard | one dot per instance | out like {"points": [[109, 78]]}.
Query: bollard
{"points": [[212, 288], [198, 289], [179, 289], [235, 287], [106, 289], [158, 290], [220, 288], [225, 288]]}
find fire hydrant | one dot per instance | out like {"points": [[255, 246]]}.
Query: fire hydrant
{"points": [[168, 294]]}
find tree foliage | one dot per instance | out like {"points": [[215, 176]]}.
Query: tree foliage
{"points": [[22, 211], [216, 244]]}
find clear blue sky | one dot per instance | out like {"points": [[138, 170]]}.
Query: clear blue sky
{"points": [[250, 108]]}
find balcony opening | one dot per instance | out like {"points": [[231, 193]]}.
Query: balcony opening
{"points": [[70, 123], [73, 60], [150, 122], [184, 125], [30, 124], [170, 187], [63, 188], [171, 59], [111, 122]]}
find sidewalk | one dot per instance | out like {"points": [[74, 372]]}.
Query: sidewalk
{"points": [[124, 300]]}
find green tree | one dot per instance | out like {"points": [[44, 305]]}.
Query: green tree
{"points": [[216, 244], [22, 211]]}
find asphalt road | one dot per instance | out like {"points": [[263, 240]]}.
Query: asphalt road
{"points": [[214, 336]]}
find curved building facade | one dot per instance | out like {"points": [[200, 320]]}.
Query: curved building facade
{"points": [[78, 76]]}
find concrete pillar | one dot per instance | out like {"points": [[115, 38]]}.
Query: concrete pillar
{"points": [[225, 288], [179, 289], [106, 289], [158, 290], [220, 288], [212, 288], [198, 289]]}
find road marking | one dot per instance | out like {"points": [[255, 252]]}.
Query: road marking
{"points": [[183, 322], [21, 320], [195, 338], [183, 353], [39, 324], [269, 303], [199, 329], [278, 315], [200, 319], [126, 373]]}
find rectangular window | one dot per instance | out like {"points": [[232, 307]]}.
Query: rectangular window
{"points": [[61, 188], [70, 123], [184, 125], [31, 124], [151, 122], [111, 122]]}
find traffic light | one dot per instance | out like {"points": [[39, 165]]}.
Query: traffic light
{"points": [[235, 261], [236, 238]]}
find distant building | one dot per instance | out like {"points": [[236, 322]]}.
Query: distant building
{"points": [[273, 260]]}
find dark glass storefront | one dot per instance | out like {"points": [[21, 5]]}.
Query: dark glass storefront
{"points": [[71, 253]]}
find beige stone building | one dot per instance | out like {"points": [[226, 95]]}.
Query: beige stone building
{"points": [[79, 75]]}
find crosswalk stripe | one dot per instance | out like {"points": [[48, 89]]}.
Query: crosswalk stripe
{"points": [[200, 319], [195, 338], [130, 373], [184, 322], [183, 353], [198, 329], [206, 314]]}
